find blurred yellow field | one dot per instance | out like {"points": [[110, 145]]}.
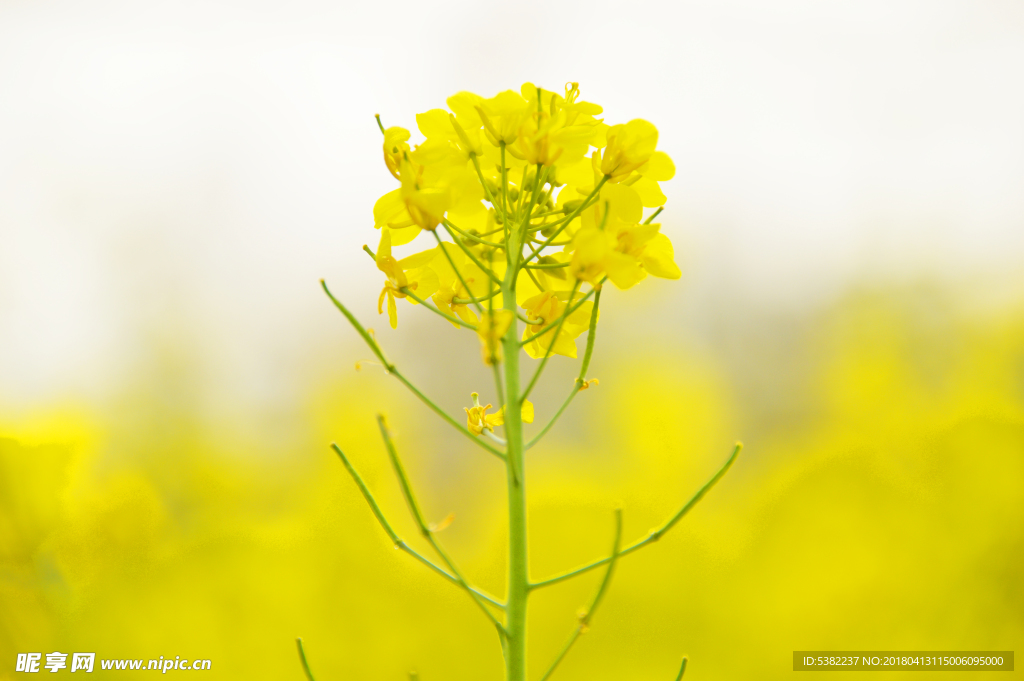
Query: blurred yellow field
{"points": [[878, 505]]}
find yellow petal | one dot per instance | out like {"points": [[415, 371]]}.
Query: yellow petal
{"points": [[418, 259], [390, 210], [623, 202], [649, 192], [463, 105], [392, 311], [434, 124], [659, 258], [404, 235], [623, 270], [527, 411], [422, 281], [525, 288], [660, 167], [384, 247], [496, 419]]}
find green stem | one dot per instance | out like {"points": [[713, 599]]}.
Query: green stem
{"points": [[682, 670], [476, 261], [496, 368], [547, 265], [654, 535], [395, 539], [472, 237], [487, 190], [298, 641], [518, 575], [393, 370], [425, 530], [504, 189]]}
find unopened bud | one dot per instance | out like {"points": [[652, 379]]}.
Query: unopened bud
{"points": [[570, 206]]}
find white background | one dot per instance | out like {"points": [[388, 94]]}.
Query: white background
{"points": [[191, 170]]}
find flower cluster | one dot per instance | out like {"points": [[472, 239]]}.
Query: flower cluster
{"points": [[531, 203], [539, 197]]}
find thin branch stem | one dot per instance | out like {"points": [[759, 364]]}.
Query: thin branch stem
{"points": [[567, 220], [591, 337], [504, 189], [499, 388], [392, 369], [655, 534], [538, 182], [467, 301], [395, 539], [682, 670], [547, 265], [581, 380], [533, 278], [425, 530], [298, 641], [647, 222], [426, 303], [473, 237], [551, 345], [476, 261], [439, 311], [586, 615], [483, 183], [565, 405]]}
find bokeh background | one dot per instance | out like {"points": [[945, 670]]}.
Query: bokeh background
{"points": [[848, 211]]}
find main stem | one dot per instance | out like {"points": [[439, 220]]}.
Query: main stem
{"points": [[518, 590]]}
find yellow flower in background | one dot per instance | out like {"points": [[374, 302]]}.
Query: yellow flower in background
{"points": [[548, 307]]}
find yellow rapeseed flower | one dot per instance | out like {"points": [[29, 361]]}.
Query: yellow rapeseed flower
{"points": [[540, 158], [548, 307], [501, 116], [555, 128], [478, 420], [630, 146], [624, 253]]}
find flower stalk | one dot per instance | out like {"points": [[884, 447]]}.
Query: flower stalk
{"points": [[596, 181]]}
